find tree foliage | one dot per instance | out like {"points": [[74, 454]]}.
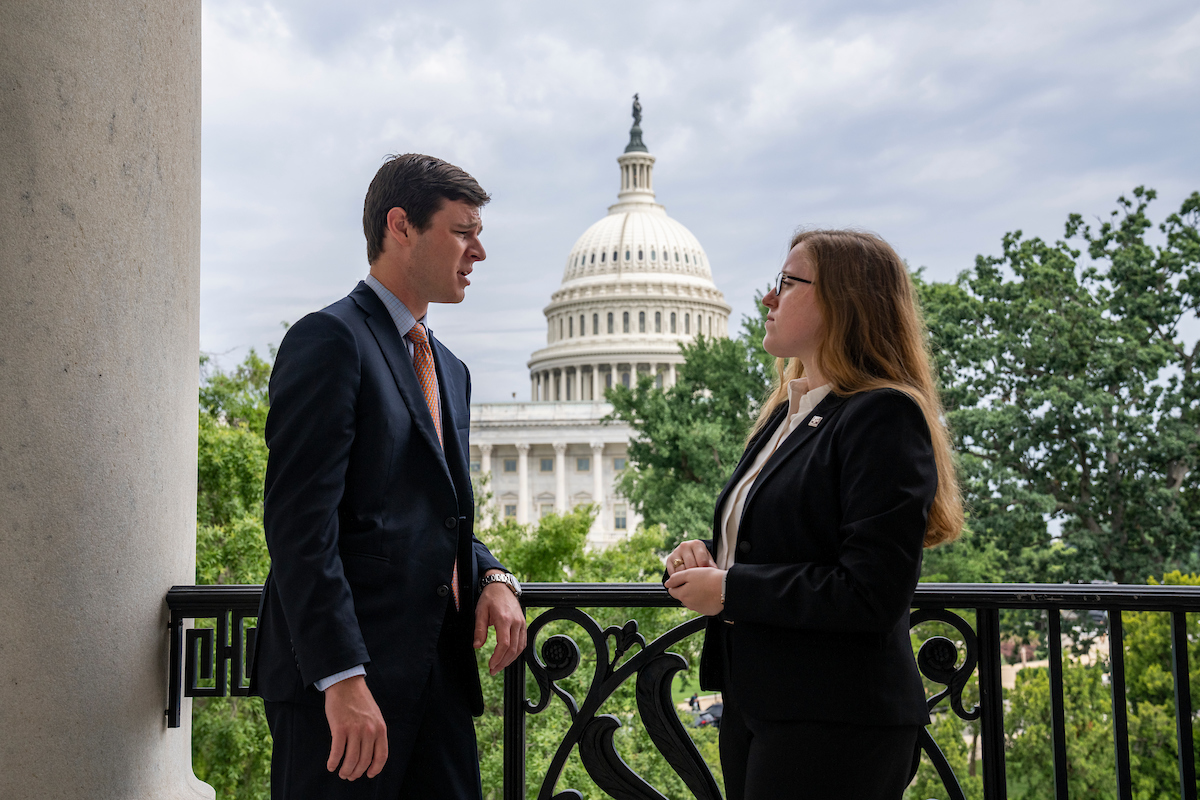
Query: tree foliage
{"points": [[1073, 396], [688, 439], [231, 744]]}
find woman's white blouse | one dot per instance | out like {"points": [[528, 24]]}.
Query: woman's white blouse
{"points": [[801, 402]]}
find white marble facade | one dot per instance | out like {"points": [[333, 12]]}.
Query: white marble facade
{"points": [[636, 285], [552, 457]]}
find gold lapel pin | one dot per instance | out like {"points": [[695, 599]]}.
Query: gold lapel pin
{"points": [[814, 422]]}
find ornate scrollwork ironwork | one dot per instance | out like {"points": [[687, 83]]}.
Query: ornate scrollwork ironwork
{"points": [[940, 659], [937, 659], [938, 655], [593, 732]]}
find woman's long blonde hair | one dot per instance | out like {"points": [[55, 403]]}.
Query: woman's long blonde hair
{"points": [[875, 337]]}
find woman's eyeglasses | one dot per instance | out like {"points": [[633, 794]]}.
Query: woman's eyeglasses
{"points": [[782, 277]]}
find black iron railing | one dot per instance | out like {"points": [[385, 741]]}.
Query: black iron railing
{"points": [[206, 662]]}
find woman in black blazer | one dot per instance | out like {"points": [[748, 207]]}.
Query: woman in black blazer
{"points": [[818, 535]]}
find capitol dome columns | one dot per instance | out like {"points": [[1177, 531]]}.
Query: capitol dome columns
{"points": [[99, 319]]}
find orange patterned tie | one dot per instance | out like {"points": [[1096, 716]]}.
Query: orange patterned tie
{"points": [[423, 364]]}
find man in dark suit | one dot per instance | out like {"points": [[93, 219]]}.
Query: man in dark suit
{"points": [[378, 589]]}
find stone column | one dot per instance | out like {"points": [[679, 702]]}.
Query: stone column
{"points": [[485, 473], [522, 483], [485, 459], [670, 374], [99, 341], [533, 387], [560, 477], [597, 390], [598, 492]]}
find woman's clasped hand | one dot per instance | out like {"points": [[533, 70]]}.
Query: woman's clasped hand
{"points": [[694, 578]]}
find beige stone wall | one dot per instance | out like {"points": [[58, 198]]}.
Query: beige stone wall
{"points": [[99, 294]]}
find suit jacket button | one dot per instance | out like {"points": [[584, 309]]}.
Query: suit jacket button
{"points": [[744, 547], [443, 590], [451, 522]]}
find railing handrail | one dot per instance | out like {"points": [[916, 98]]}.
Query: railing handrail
{"points": [[1082, 596], [220, 654]]}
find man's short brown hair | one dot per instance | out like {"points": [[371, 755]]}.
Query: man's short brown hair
{"points": [[419, 184]]}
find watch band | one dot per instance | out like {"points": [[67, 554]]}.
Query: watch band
{"points": [[500, 577]]}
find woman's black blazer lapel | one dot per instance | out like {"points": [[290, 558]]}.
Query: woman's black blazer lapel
{"points": [[795, 441], [751, 452], [789, 447]]}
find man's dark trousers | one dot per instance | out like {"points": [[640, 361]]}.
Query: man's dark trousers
{"points": [[435, 742]]}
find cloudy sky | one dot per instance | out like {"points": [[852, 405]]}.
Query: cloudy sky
{"points": [[939, 125]]}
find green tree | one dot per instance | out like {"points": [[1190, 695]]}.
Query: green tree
{"points": [[1072, 395], [1029, 760], [687, 439], [231, 744]]}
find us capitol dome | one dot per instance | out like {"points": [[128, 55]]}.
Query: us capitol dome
{"points": [[636, 285]]}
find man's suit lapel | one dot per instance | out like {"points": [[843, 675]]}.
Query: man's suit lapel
{"points": [[792, 444], [400, 363], [450, 390]]}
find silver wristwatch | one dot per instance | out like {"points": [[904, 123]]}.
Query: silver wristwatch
{"points": [[502, 577]]}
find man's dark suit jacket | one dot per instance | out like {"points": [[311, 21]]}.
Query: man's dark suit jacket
{"points": [[827, 560], [364, 512]]}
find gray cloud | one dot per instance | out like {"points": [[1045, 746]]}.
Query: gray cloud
{"points": [[939, 125]]}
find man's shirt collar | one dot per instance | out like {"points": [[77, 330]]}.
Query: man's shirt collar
{"points": [[399, 312]]}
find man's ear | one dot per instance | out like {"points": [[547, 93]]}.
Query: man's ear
{"points": [[398, 226]]}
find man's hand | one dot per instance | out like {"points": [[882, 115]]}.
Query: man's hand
{"points": [[498, 608], [698, 588], [359, 734], [689, 554]]}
